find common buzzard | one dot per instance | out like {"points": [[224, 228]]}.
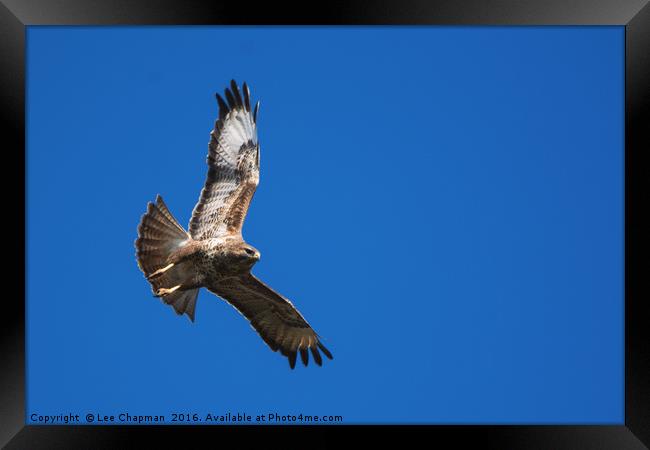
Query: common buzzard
{"points": [[214, 254]]}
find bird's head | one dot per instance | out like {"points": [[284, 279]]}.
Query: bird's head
{"points": [[248, 254]]}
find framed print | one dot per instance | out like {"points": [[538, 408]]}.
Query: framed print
{"points": [[414, 219]]}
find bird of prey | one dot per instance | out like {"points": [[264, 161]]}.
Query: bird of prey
{"points": [[213, 254]]}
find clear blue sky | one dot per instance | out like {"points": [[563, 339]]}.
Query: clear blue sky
{"points": [[444, 206]]}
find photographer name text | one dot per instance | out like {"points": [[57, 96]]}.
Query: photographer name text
{"points": [[225, 418]]}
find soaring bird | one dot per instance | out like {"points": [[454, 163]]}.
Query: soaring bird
{"points": [[213, 254]]}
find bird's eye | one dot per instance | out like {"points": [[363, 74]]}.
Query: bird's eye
{"points": [[249, 251]]}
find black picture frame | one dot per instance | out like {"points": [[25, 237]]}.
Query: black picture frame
{"points": [[15, 15]]}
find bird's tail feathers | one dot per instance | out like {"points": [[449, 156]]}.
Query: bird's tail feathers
{"points": [[159, 234], [183, 302]]}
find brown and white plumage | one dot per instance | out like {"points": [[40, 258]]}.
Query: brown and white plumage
{"points": [[233, 168], [213, 254], [274, 317]]}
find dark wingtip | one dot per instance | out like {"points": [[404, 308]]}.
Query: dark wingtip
{"points": [[247, 97], [236, 93], [304, 356], [324, 350], [316, 355], [230, 99], [292, 359], [257, 108], [223, 108]]}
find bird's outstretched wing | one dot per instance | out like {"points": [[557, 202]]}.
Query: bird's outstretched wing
{"points": [[276, 320], [233, 168]]}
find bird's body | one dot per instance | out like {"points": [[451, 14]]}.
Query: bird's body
{"points": [[214, 254], [216, 258]]}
